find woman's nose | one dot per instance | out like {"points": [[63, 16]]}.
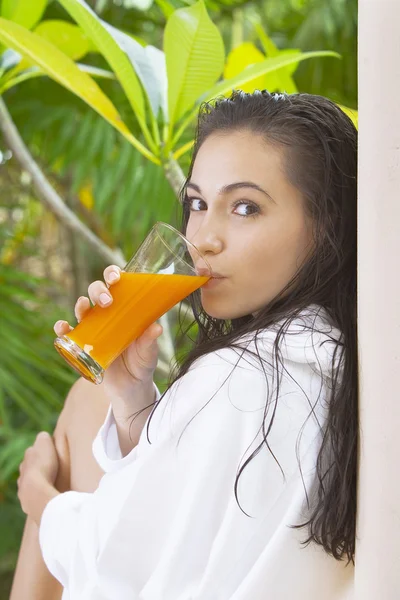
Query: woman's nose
{"points": [[207, 241]]}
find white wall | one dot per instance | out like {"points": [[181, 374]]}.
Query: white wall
{"points": [[378, 546]]}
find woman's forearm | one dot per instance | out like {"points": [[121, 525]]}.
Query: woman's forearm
{"points": [[129, 423]]}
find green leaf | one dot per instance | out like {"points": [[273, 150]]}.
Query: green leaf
{"points": [[225, 87], [166, 7], [267, 66], [351, 113], [63, 70], [36, 72], [12, 453], [281, 80], [24, 12], [194, 53], [102, 35], [67, 37], [142, 59]]}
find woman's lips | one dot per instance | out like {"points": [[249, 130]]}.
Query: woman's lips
{"points": [[213, 282], [203, 272]]}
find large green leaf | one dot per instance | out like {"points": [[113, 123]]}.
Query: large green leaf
{"points": [[69, 38], [24, 12], [100, 34], [226, 86], [194, 53], [282, 79], [33, 72], [149, 64], [246, 54], [267, 66], [351, 113], [63, 70], [166, 7]]}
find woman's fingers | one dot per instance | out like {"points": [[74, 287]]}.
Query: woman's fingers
{"points": [[112, 274], [81, 308], [62, 328], [98, 290], [154, 331], [99, 293]]}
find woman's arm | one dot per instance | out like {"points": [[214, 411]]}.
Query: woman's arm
{"points": [[83, 413]]}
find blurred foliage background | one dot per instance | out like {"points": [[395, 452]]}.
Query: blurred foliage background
{"points": [[115, 191]]}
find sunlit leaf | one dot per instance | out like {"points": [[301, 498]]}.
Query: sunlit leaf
{"points": [[350, 112], [24, 12], [69, 38], [282, 79], [195, 57], [151, 75], [63, 70], [267, 66], [238, 59], [166, 7], [98, 32]]}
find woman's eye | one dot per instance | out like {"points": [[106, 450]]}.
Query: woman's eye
{"points": [[248, 209], [195, 204]]}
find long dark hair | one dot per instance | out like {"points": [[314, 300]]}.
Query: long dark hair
{"points": [[320, 150]]}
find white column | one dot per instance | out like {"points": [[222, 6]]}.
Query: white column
{"points": [[378, 545]]}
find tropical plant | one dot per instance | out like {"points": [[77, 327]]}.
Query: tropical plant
{"points": [[164, 89]]}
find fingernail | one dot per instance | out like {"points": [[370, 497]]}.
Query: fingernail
{"points": [[105, 299], [59, 323], [113, 276]]}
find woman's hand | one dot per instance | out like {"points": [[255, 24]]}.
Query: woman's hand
{"points": [[128, 381], [138, 362], [38, 472]]}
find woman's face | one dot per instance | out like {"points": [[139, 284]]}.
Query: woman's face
{"points": [[247, 220]]}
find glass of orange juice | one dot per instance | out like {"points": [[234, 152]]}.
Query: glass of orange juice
{"points": [[161, 273]]}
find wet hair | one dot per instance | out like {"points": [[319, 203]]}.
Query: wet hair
{"points": [[319, 143]]}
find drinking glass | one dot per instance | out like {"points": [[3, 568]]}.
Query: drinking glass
{"points": [[160, 274]]}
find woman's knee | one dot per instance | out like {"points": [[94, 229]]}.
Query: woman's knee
{"points": [[84, 411]]}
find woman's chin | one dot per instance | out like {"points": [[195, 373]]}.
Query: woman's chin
{"points": [[223, 313], [215, 312]]}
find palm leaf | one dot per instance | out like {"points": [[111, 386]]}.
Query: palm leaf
{"points": [[63, 70]]}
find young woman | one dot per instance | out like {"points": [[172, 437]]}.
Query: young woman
{"points": [[242, 482]]}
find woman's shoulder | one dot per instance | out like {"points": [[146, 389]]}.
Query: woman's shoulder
{"points": [[308, 339]]}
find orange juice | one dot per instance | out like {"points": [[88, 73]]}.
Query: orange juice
{"points": [[139, 300]]}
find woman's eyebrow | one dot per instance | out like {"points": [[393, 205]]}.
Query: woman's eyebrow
{"points": [[233, 186]]}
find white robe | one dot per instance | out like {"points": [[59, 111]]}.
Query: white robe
{"points": [[164, 523]]}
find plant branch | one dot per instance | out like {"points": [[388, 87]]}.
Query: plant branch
{"points": [[48, 195], [174, 175]]}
